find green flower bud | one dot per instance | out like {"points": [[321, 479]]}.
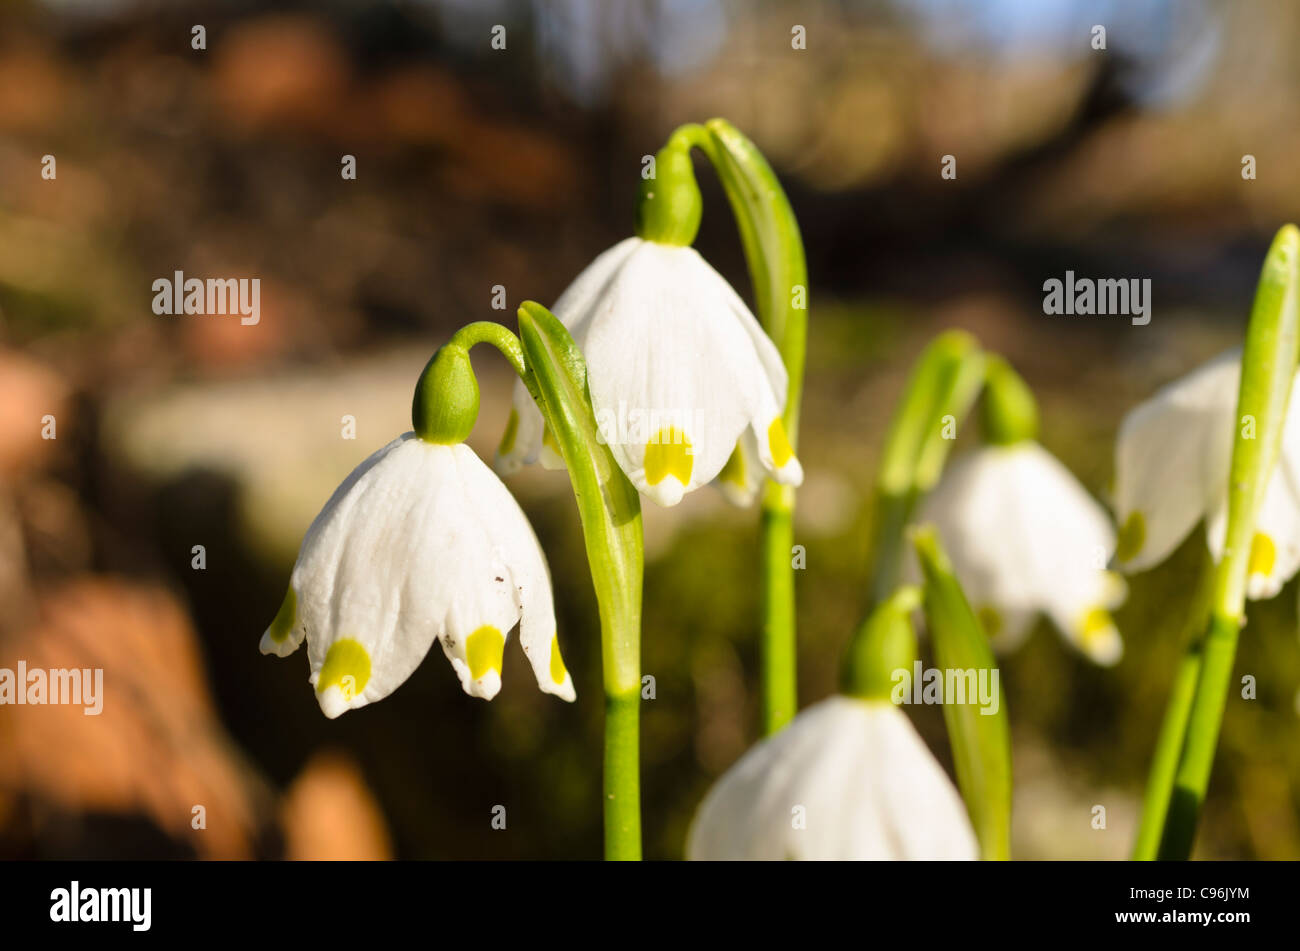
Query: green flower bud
{"points": [[1010, 411], [446, 398], [884, 644], [669, 206]]}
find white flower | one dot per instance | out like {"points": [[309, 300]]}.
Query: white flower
{"points": [[680, 374], [847, 779], [420, 541], [1172, 461], [1024, 536]]}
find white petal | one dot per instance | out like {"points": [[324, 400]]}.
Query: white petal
{"points": [[354, 570], [785, 469], [924, 809], [666, 355], [742, 477], [749, 812], [589, 290], [847, 779], [1006, 628], [523, 441], [1275, 547], [420, 542], [322, 537], [1172, 457], [476, 588], [1024, 536], [774, 450], [769, 356], [515, 545]]}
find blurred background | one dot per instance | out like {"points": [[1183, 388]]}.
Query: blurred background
{"points": [[479, 167]]}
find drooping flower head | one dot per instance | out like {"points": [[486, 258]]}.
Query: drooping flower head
{"points": [[421, 542], [848, 779], [685, 385], [1172, 458], [1023, 535]]}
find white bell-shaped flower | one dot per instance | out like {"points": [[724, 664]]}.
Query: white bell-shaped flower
{"points": [[846, 779], [421, 541], [1172, 461], [680, 374], [1025, 537]]}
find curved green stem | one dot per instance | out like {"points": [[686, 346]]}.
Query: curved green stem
{"points": [[774, 253], [489, 331]]}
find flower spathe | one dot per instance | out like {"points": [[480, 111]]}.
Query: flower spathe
{"points": [[1025, 537], [681, 376], [1173, 455], [421, 541], [847, 779]]}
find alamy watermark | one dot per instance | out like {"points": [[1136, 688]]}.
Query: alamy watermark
{"points": [[950, 685], [181, 295], [635, 426], [77, 904], [77, 686], [1085, 297]]}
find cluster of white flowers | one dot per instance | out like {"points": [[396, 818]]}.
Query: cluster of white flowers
{"points": [[423, 542], [1025, 537]]}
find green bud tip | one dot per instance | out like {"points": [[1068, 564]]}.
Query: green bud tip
{"points": [[668, 205], [934, 560], [1010, 410], [445, 405], [885, 643]]}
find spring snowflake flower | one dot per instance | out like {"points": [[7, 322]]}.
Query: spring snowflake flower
{"points": [[421, 541], [1025, 537], [847, 779], [1172, 459], [685, 385]]}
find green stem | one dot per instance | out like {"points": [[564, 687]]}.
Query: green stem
{"points": [[1268, 366], [777, 658], [1169, 747], [893, 510], [610, 510], [1173, 729], [489, 331], [778, 270], [622, 771], [1203, 723], [942, 386], [553, 370]]}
